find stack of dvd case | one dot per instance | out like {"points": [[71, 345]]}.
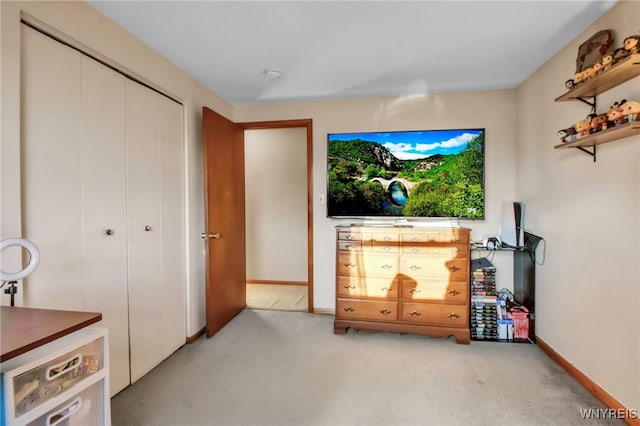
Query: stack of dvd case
{"points": [[484, 302]]}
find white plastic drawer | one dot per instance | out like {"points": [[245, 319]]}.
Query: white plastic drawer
{"points": [[43, 383], [86, 408]]}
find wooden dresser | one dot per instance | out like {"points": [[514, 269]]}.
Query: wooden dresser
{"points": [[402, 279]]}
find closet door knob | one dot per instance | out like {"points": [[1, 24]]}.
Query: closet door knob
{"points": [[108, 231], [147, 228]]}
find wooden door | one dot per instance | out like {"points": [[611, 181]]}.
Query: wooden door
{"points": [[225, 219]]}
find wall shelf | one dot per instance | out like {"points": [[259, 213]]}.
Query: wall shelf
{"points": [[618, 74], [623, 71], [604, 136]]}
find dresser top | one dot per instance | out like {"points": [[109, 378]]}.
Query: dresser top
{"points": [[24, 329], [416, 227]]}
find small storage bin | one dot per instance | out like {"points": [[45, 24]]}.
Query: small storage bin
{"points": [[43, 383], [86, 408]]}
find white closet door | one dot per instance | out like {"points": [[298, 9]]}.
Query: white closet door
{"points": [[170, 123], [144, 226], [104, 261], [51, 170]]}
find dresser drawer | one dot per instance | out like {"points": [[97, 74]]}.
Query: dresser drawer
{"points": [[456, 292], [367, 287], [363, 265], [387, 236], [456, 269], [367, 310], [349, 235], [437, 236], [349, 246], [43, 383], [435, 314], [85, 408], [385, 247], [450, 250]]}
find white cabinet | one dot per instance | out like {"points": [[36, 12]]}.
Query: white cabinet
{"points": [[103, 198], [63, 382]]}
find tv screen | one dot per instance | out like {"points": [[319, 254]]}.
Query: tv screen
{"points": [[410, 174]]}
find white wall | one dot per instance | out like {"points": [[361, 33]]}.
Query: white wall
{"points": [[588, 291], [493, 110], [276, 203], [85, 26]]}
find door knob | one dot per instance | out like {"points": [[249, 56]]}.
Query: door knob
{"points": [[205, 236], [147, 228], [108, 231]]}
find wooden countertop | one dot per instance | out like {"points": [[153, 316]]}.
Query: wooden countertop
{"points": [[24, 329]]}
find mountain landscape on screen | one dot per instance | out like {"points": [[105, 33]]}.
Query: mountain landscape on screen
{"points": [[413, 174]]}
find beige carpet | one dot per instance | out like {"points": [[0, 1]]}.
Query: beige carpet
{"points": [[289, 369], [277, 297]]}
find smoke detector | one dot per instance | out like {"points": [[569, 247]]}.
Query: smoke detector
{"points": [[273, 74]]}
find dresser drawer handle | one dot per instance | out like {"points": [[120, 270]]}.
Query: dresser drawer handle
{"points": [[386, 248], [349, 309], [453, 292], [415, 249], [385, 312], [349, 286], [415, 313], [387, 238], [454, 268], [414, 267], [348, 237], [416, 239], [453, 315], [384, 289], [348, 246], [415, 290], [350, 265], [386, 266]]}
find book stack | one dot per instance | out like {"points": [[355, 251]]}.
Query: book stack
{"points": [[484, 301]]}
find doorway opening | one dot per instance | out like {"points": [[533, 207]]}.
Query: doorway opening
{"points": [[279, 216]]}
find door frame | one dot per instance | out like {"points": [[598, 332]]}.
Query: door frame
{"points": [[307, 124]]}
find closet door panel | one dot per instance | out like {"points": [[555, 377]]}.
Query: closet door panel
{"points": [[143, 210], [172, 226], [51, 172], [104, 261]]}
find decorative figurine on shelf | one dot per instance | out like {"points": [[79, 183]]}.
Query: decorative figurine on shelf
{"points": [[614, 115], [562, 134], [631, 44], [582, 128], [571, 134], [607, 62], [569, 84], [588, 74], [577, 79], [597, 68], [631, 111], [619, 54], [598, 123]]}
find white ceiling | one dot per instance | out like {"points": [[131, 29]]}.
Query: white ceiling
{"points": [[350, 49]]}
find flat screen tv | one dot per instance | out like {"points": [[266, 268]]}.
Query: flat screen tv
{"points": [[408, 174]]}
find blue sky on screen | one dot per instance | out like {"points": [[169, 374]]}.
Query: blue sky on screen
{"points": [[415, 145]]}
